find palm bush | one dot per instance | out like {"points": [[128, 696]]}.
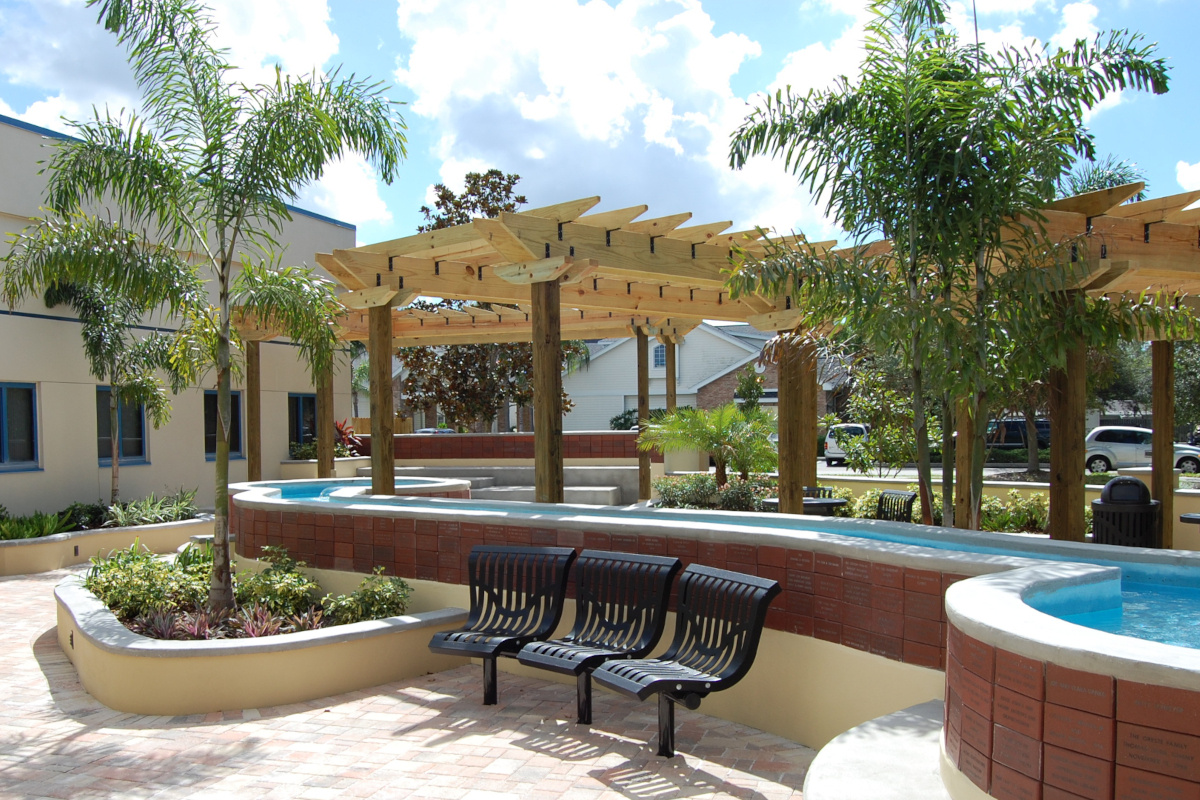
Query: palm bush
{"points": [[732, 437]]}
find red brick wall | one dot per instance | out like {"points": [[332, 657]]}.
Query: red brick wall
{"points": [[499, 447], [722, 391], [1023, 728], [892, 611]]}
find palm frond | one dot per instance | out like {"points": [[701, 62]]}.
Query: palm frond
{"points": [[296, 303]]}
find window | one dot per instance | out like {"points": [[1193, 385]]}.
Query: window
{"points": [[210, 424], [302, 418], [131, 424], [660, 356], [18, 426]]}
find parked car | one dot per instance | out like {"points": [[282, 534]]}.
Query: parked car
{"points": [[1112, 446], [434, 430], [834, 453], [1009, 434]]}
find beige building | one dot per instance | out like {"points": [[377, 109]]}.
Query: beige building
{"points": [[51, 435]]}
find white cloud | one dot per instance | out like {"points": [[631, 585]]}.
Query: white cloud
{"points": [[1078, 22], [1188, 175], [292, 33], [348, 191]]}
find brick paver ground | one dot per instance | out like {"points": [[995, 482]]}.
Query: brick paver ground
{"points": [[426, 737]]}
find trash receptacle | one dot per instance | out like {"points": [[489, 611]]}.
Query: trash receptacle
{"points": [[1125, 515]]}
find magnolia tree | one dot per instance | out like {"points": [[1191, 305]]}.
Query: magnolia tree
{"points": [[196, 188]]}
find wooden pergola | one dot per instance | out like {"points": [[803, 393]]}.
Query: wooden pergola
{"points": [[560, 272]]}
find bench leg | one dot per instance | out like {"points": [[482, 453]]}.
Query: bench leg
{"points": [[583, 697], [489, 682], [666, 726]]}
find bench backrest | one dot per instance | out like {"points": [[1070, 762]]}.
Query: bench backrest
{"points": [[621, 599], [518, 590], [895, 506], [823, 492], [719, 621]]}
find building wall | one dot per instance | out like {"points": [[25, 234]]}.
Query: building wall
{"points": [[43, 346]]}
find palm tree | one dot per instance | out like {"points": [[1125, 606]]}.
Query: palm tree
{"points": [[731, 436], [130, 365], [203, 184]]}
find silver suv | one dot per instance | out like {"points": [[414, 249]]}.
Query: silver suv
{"points": [[1112, 446], [834, 454]]}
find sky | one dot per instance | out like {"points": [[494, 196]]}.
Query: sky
{"points": [[631, 100]]}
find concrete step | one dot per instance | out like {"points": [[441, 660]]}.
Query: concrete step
{"points": [[889, 758], [584, 495], [481, 483]]}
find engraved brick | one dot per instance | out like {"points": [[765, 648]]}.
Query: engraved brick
{"points": [[1021, 674], [924, 631], [975, 765], [686, 549], [887, 646], [888, 624], [828, 564], [624, 542], [922, 580], [799, 603], [854, 569], [857, 594], [1153, 750], [1076, 773], [954, 708], [856, 638], [427, 542], [976, 692], [1159, 707], [953, 745], [1054, 793], [1136, 784], [772, 556], [800, 582], [1082, 690], [977, 730], [594, 540], [828, 630], [570, 539], [827, 608], [1018, 712], [857, 617], [978, 657], [886, 598], [451, 529], [927, 606], [800, 560], [827, 586], [543, 537], [652, 545], [922, 655], [777, 574], [741, 553], [1090, 734], [888, 575], [426, 526], [1009, 784], [1018, 751]]}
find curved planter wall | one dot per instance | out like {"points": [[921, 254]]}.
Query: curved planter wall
{"points": [[1038, 707], [149, 676], [28, 556]]}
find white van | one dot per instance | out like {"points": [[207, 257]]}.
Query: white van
{"points": [[834, 454]]}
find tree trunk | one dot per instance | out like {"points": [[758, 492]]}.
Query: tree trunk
{"points": [[1033, 463], [114, 420], [920, 430], [947, 461], [978, 453], [220, 594]]}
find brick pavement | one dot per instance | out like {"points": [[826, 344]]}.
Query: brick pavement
{"points": [[426, 737]]}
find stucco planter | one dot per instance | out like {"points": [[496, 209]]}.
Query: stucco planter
{"points": [[347, 467], [27, 556], [136, 674]]}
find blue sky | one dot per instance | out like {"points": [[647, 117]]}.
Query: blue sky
{"points": [[631, 100]]}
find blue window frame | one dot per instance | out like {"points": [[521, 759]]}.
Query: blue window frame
{"points": [[131, 426], [210, 424], [660, 356], [18, 426], [302, 418]]}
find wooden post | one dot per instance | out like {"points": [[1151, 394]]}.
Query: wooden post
{"points": [[643, 408], [1068, 417], [383, 412], [964, 445], [547, 393], [1162, 458], [325, 424], [668, 343], [253, 411], [791, 390], [808, 416]]}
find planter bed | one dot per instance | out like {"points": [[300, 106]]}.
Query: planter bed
{"points": [[136, 674], [46, 553]]}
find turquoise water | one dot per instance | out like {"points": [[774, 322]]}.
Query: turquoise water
{"points": [[1160, 602]]}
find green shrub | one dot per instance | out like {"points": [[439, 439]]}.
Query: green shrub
{"points": [[375, 598], [738, 495], [86, 516], [698, 490], [34, 526], [134, 582], [308, 451], [1017, 456], [153, 510], [281, 587]]}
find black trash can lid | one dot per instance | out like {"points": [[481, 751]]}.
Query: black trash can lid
{"points": [[1124, 489]]}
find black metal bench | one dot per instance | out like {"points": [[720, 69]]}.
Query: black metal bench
{"points": [[822, 492], [620, 610], [895, 506], [717, 628], [516, 598]]}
